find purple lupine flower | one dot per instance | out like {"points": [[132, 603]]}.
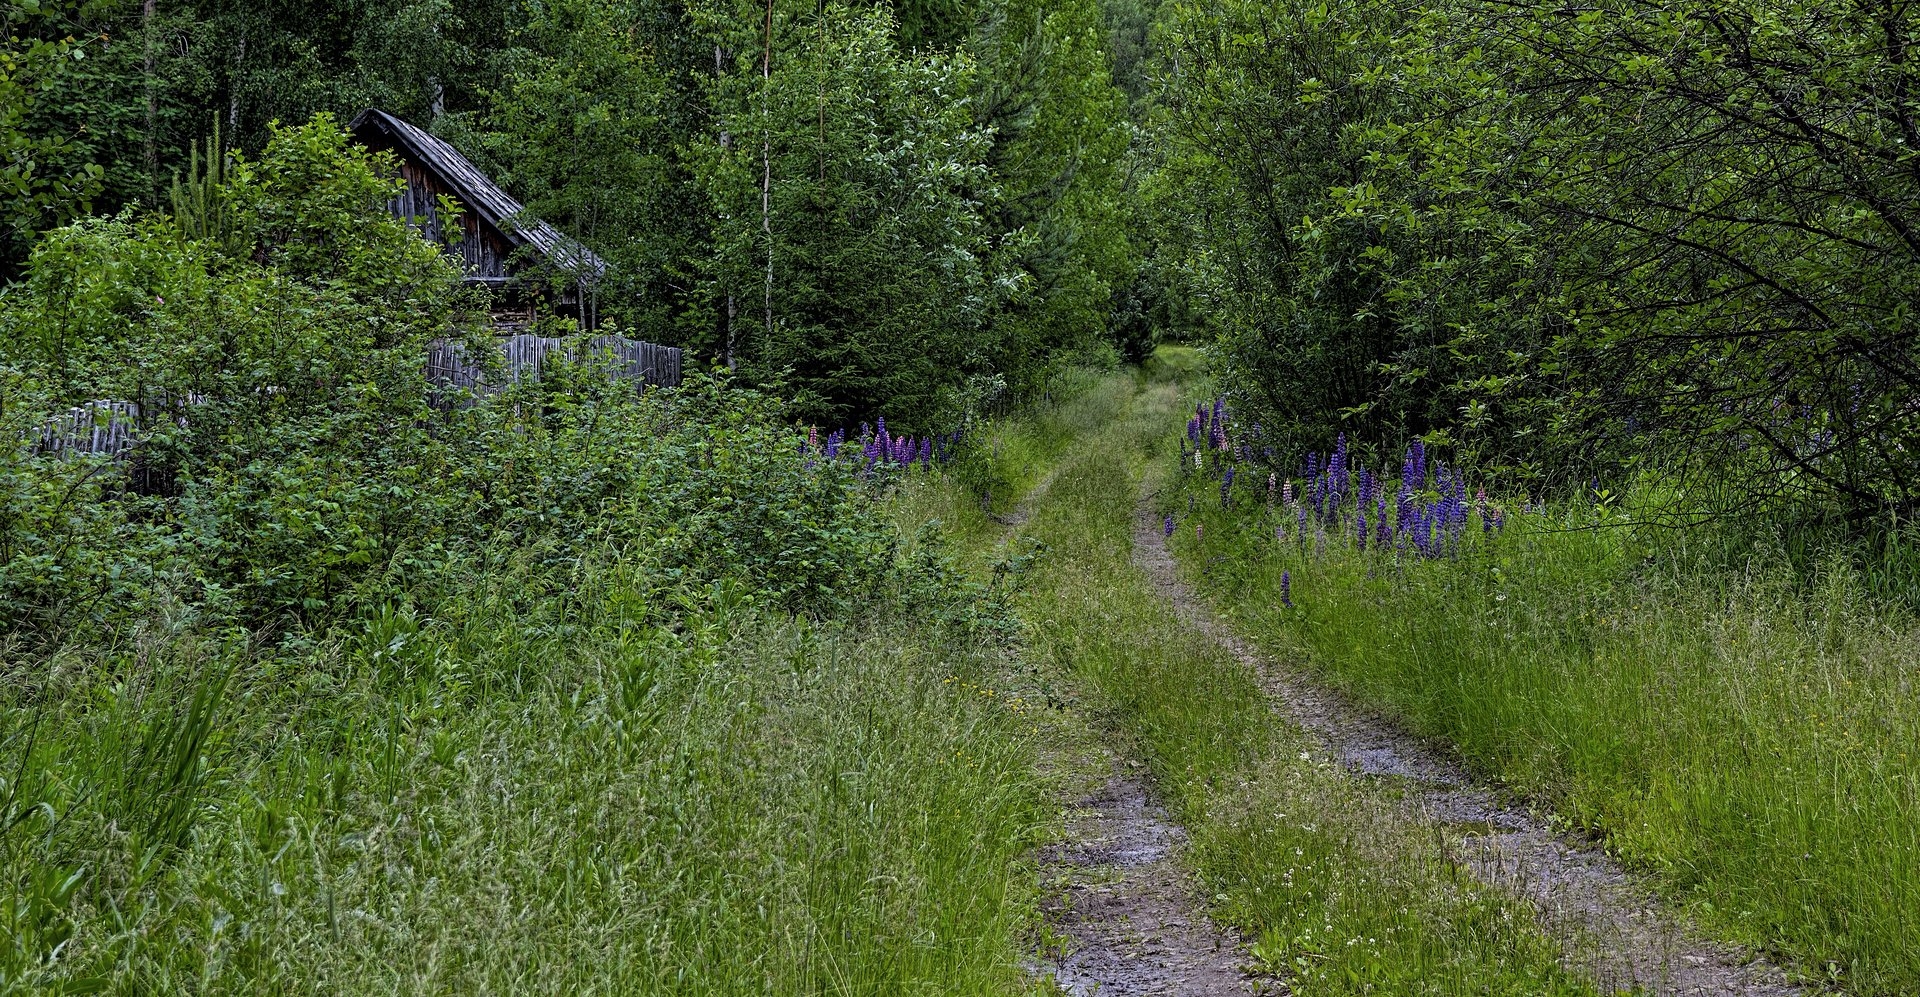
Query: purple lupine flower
{"points": [[1169, 532], [1286, 583], [1337, 467], [1286, 492], [1360, 531], [926, 452]]}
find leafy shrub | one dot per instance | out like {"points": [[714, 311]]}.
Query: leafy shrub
{"points": [[308, 474]]}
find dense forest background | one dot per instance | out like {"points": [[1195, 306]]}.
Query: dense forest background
{"points": [[1574, 245], [887, 210]]}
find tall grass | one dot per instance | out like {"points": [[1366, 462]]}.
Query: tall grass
{"points": [[1751, 738], [525, 794]]}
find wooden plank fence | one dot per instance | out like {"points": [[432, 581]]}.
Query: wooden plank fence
{"points": [[101, 426], [640, 362], [110, 427]]}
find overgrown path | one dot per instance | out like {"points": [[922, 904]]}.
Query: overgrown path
{"points": [[1610, 924], [1127, 917]]}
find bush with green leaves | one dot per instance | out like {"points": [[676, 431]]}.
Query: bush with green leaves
{"points": [[305, 471]]}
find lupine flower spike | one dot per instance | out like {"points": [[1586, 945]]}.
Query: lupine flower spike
{"points": [[1286, 582], [1169, 525]]}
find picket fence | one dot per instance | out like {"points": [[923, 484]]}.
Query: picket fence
{"points": [[108, 426]]}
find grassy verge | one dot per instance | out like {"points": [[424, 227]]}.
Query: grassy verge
{"points": [[1754, 742], [523, 795], [1341, 897]]}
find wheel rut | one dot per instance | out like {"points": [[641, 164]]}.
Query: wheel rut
{"points": [[1611, 925], [1122, 914]]}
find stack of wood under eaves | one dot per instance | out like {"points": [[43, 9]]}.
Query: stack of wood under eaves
{"points": [[107, 426]]}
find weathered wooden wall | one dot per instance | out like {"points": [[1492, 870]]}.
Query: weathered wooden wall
{"points": [[483, 252], [102, 426]]}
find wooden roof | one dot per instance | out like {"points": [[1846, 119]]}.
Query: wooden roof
{"points": [[478, 193]]}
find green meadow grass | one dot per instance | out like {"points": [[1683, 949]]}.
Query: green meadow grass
{"points": [[1750, 737], [521, 797]]}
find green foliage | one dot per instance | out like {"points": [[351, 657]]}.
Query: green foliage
{"points": [[1349, 297], [846, 256], [307, 476], [882, 202], [198, 209], [1060, 244], [1712, 209], [1564, 240], [39, 181]]}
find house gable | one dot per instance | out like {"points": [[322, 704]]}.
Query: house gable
{"points": [[496, 224]]}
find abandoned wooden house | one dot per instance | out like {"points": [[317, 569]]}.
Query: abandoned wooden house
{"points": [[502, 243]]}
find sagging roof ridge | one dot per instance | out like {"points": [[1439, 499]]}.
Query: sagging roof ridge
{"points": [[481, 195]]}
